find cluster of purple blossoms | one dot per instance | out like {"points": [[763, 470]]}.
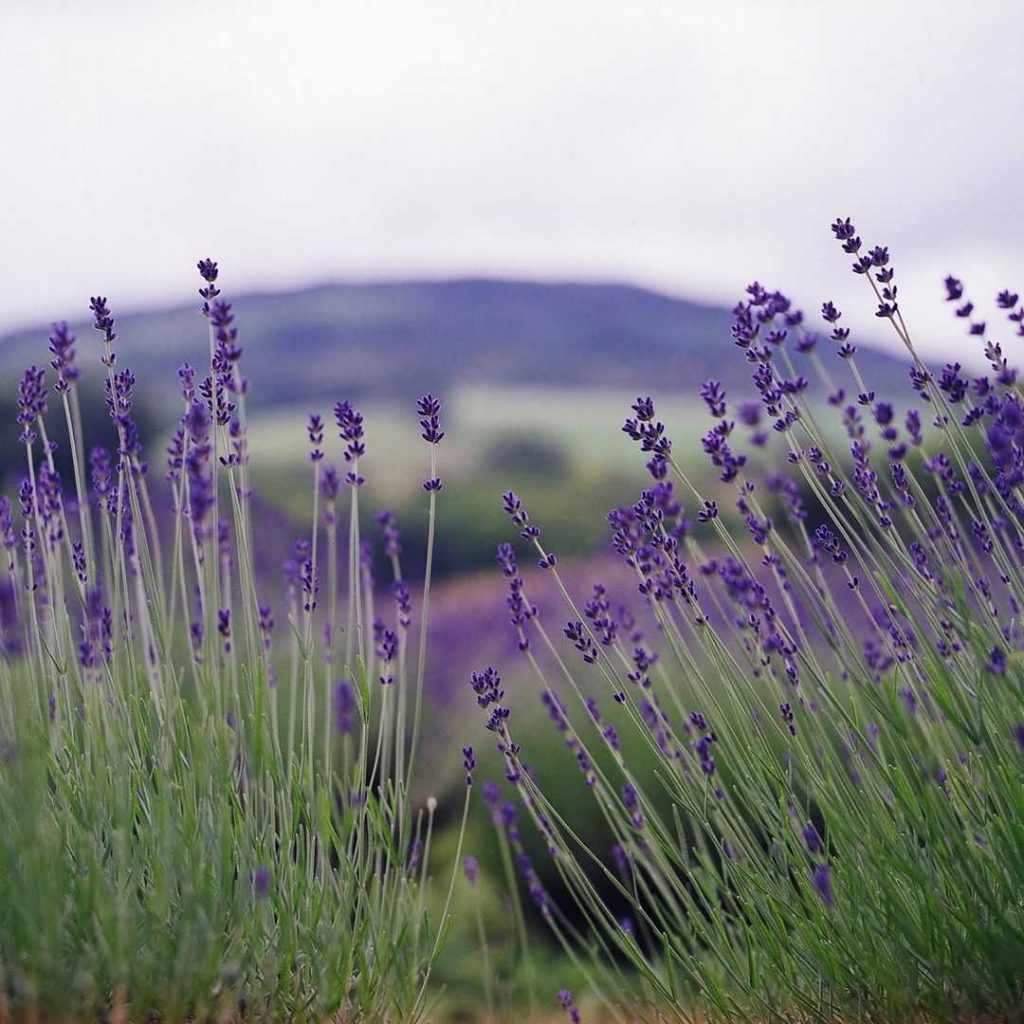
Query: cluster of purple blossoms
{"points": [[514, 508], [386, 648], [224, 378], [598, 610], [648, 536], [351, 431], [631, 801], [428, 408], [330, 488], [520, 609], [62, 348], [566, 1002], [104, 323], [208, 272], [97, 644], [528, 873], [390, 535], [344, 707], [32, 394], [713, 394], [315, 431], [821, 877], [650, 434], [403, 604], [579, 636], [703, 743], [716, 446], [487, 687], [199, 469], [875, 263], [266, 625], [120, 389], [224, 627], [558, 713], [261, 883]]}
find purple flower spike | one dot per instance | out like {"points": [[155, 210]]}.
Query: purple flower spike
{"points": [[812, 839], [487, 687], [351, 431], [468, 764], [224, 627], [389, 532], [650, 435], [344, 707], [471, 868], [207, 270], [261, 883], [315, 430], [62, 347], [330, 483], [513, 506], [787, 716], [31, 401], [567, 1003], [822, 879], [102, 320], [429, 408], [266, 625], [714, 397], [996, 663], [415, 855]]}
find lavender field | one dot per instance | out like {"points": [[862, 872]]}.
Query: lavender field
{"points": [[482, 541], [756, 752]]}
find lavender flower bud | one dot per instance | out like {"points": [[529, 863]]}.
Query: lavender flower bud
{"points": [[103, 322], [344, 703], [351, 431], [62, 347], [330, 484], [266, 625], [31, 401], [566, 1002], [812, 839], [261, 883], [315, 430], [389, 532], [429, 408], [822, 879]]}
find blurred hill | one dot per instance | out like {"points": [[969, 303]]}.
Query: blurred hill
{"points": [[400, 338]]}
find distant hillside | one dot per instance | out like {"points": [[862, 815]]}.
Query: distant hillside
{"points": [[399, 338]]}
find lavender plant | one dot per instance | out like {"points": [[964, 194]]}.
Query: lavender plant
{"points": [[812, 776], [205, 800]]}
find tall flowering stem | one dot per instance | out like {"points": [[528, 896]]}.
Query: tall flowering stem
{"points": [[429, 410]]}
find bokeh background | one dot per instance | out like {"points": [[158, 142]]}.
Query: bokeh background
{"points": [[536, 210]]}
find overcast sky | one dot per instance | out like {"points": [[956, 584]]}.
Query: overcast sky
{"points": [[686, 146]]}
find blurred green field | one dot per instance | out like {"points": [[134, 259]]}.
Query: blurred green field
{"points": [[581, 426], [563, 450]]}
